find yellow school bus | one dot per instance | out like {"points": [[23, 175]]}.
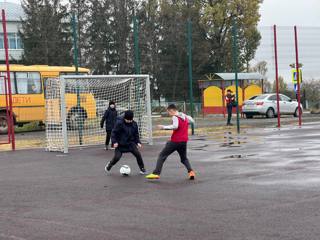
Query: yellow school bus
{"points": [[28, 92]]}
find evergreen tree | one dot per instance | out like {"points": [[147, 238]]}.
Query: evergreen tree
{"points": [[123, 38], [109, 34], [106, 41], [148, 15], [81, 9], [45, 33], [99, 52]]}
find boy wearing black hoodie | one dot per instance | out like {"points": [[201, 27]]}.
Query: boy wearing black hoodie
{"points": [[110, 117], [230, 101], [125, 138]]}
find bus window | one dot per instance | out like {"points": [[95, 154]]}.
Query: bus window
{"points": [[2, 87], [28, 83]]}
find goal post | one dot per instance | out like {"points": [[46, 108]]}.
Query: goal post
{"points": [[75, 105]]}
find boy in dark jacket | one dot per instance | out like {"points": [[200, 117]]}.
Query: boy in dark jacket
{"points": [[125, 138], [230, 101], [110, 117]]}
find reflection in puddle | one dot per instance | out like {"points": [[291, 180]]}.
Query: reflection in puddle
{"points": [[233, 140], [229, 138], [239, 156], [200, 148]]}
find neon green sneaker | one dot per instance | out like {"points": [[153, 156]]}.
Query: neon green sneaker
{"points": [[152, 176]]}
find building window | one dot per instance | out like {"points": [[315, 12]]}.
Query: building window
{"points": [[14, 41], [19, 42]]}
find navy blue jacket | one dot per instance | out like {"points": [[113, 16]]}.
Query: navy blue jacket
{"points": [[110, 117], [125, 134]]}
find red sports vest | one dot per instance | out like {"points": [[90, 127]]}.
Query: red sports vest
{"points": [[181, 133]]}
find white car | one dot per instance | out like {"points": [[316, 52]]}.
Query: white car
{"points": [[266, 104]]}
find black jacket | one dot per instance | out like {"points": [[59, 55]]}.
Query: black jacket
{"points": [[125, 134], [230, 99], [110, 117]]}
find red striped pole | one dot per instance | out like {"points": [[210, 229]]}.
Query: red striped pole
{"points": [[5, 38], [297, 69], [277, 71]]}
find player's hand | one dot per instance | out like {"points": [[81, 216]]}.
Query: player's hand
{"points": [[139, 145], [160, 127], [115, 145]]}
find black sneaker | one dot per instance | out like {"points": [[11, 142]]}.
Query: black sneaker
{"points": [[143, 171], [108, 167]]}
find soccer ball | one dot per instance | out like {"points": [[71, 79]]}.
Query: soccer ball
{"points": [[125, 170]]}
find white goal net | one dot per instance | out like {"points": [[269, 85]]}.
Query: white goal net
{"points": [[76, 104]]}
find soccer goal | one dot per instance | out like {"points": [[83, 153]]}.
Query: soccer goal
{"points": [[75, 105]]}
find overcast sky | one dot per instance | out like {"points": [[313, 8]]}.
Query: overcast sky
{"points": [[290, 12], [306, 15]]}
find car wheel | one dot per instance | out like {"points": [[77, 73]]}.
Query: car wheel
{"points": [[3, 124], [296, 112], [270, 113]]}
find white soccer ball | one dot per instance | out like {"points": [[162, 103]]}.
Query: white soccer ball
{"points": [[125, 170]]}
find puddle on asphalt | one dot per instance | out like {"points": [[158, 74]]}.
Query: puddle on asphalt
{"points": [[199, 139], [289, 149], [227, 139], [238, 156], [233, 140], [199, 148]]}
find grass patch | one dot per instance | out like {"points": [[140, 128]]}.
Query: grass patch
{"points": [[29, 127]]}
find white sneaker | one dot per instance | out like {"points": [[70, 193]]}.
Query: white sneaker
{"points": [[143, 171]]}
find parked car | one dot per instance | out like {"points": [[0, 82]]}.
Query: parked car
{"points": [[253, 97], [266, 104]]}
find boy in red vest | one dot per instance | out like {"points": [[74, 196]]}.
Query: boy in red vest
{"points": [[178, 142]]}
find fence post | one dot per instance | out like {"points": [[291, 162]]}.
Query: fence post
{"points": [[277, 71], [235, 67], [6, 47], [136, 44], [190, 69], [76, 64], [298, 77]]}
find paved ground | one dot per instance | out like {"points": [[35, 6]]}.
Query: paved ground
{"points": [[261, 185]]}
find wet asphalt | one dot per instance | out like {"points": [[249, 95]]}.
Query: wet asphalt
{"points": [[262, 184]]}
